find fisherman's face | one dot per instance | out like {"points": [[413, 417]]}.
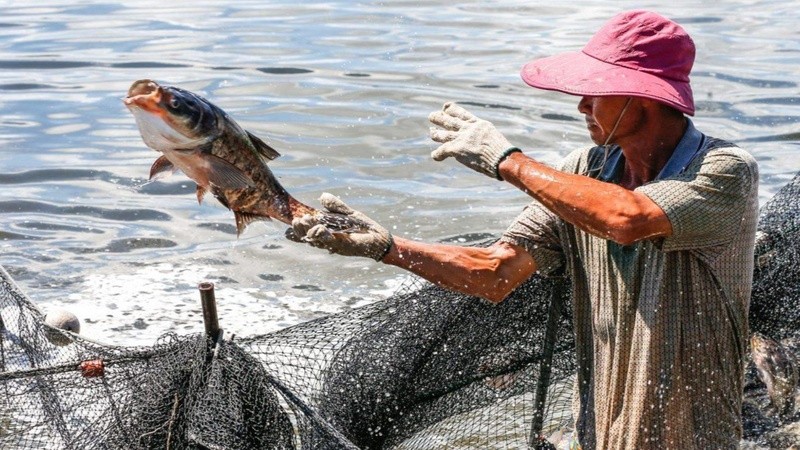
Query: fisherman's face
{"points": [[602, 113]]}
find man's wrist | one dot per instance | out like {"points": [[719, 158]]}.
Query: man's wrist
{"points": [[386, 250], [506, 162], [393, 253]]}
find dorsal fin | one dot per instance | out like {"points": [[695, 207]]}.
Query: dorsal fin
{"points": [[245, 219], [262, 149]]}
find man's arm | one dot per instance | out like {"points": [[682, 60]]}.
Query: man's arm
{"points": [[603, 209], [488, 272]]}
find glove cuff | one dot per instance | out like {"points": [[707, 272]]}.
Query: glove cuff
{"points": [[385, 252], [502, 158]]}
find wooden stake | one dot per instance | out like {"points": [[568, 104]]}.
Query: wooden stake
{"points": [[209, 309]]}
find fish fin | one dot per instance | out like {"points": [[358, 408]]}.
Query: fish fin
{"points": [[220, 196], [262, 149], [201, 192], [160, 166], [556, 437], [225, 175], [245, 219]]}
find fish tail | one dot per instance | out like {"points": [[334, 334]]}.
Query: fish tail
{"points": [[297, 209]]}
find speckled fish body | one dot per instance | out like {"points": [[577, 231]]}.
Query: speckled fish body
{"points": [[777, 368], [200, 139]]}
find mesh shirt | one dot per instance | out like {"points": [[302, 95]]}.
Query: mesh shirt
{"points": [[660, 325]]}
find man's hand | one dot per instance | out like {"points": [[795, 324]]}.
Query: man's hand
{"points": [[474, 142], [373, 243]]}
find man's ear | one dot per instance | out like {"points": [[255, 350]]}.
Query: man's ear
{"points": [[662, 109]]}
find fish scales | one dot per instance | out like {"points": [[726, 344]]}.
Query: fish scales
{"points": [[267, 195], [200, 139]]}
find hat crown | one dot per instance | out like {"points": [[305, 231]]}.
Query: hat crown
{"points": [[636, 53], [644, 41]]}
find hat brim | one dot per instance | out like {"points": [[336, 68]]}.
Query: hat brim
{"points": [[577, 73]]}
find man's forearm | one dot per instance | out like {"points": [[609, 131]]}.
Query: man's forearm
{"points": [[488, 272], [603, 209]]}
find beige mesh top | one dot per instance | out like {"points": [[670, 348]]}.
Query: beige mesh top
{"points": [[661, 325]]}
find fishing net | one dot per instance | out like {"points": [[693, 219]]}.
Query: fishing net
{"points": [[425, 366], [774, 308], [775, 311], [424, 369]]}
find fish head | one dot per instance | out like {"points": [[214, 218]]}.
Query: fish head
{"points": [[170, 118], [776, 368], [759, 343], [766, 353]]}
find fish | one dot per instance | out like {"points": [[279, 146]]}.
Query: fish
{"points": [[207, 145], [497, 372], [777, 368]]}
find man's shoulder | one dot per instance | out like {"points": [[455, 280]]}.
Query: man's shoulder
{"points": [[711, 143], [721, 149], [717, 158]]}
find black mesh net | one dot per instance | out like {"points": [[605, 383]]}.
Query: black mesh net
{"points": [[424, 369], [774, 308], [775, 313]]}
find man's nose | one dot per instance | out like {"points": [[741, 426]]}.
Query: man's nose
{"points": [[585, 105]]}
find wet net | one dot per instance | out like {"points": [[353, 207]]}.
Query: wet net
{"points": [[424, 369], [420, 369]]}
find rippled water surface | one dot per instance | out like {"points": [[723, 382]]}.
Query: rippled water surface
{"points": [[343, 90]]}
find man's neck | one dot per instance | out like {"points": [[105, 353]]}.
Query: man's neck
{"points": [[648, 151]]}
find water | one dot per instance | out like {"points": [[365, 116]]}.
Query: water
{"points": [[343, 90]]}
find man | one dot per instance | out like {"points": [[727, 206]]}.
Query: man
{"points": [[655, 226]]}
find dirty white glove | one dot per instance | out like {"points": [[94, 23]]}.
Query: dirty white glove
{"points": [[372, 242], [474, 142]]}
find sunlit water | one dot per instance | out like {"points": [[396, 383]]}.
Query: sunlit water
{"points": [[343, 90]]}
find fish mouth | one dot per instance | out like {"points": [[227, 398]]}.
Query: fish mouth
{"points": [[160, 129], [145, 94], [758, 343]]}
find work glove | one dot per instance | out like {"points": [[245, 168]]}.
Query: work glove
{"points": [[474, 142], [372, 241]]}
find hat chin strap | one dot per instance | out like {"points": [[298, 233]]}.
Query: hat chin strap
{"points": [[608, 139], [619, 119], [610, 135]]}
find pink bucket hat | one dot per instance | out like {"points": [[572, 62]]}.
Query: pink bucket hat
{"points": [[637, 53]]}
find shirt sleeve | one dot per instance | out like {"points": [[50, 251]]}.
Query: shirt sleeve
{"points": [[706, 202], [536, 230]]}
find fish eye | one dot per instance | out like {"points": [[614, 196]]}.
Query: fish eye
{"points": [[174, 103]]}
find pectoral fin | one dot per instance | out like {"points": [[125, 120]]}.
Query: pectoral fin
{"points": [[201, 192], [263, 150], [161, 168], [245, 219], [225, 175]]}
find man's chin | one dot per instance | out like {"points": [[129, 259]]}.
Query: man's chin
{"points": [[598, 140]]}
